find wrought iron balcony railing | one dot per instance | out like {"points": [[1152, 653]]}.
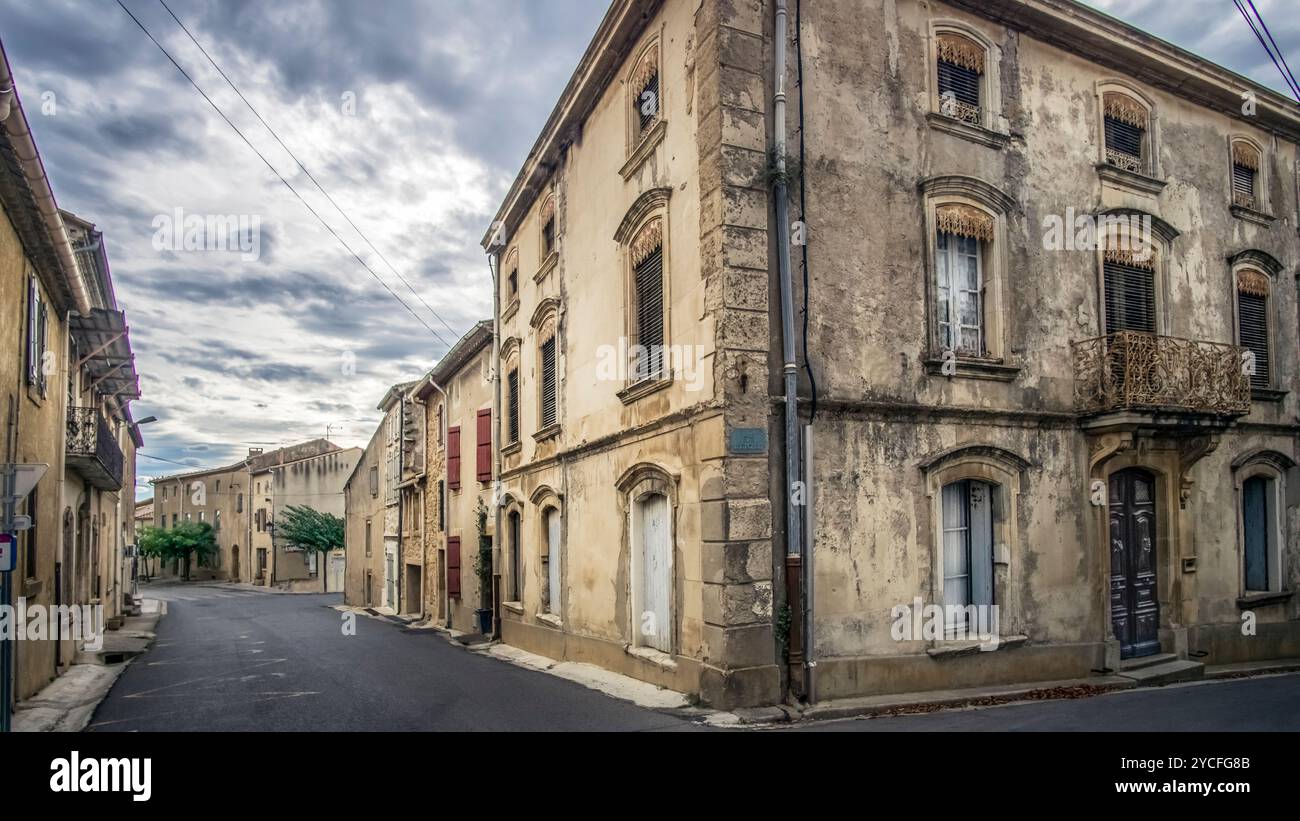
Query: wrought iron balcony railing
{"points": [[92, 450], [1131, 370]]}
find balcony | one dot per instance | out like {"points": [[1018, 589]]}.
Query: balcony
{"points": [[92, 450], [1173, 381]]}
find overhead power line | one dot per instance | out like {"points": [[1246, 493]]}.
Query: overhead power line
{"points": [[1279, 60], [280, 176], [288, 150]]}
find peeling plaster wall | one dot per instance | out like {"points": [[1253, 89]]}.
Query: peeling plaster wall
{"points": [[870, 145]]}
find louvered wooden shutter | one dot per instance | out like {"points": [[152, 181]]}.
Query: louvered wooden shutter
{"points": [[42, 345], [548, 382], [512, 391], [483, 445], [964, 83], [1123, 137], [453, 458], [33, 322], [647, 108], [1130, 299], [453, 566], [1243, 185], [1252, 317], [650, 312]]}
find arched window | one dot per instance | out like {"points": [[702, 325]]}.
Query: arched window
{"points": [[967, 549], [644, 87], [960, 68], [515, 582], [510, 367], [546, 220], [966, 228], [650, 498], [545, 323], [966, 97], [973, 491], [644, 236], [1127, 134], [1245, 174], [645, 107], [1260, 480]]}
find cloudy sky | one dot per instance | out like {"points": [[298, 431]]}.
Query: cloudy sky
{"points": [[413, 114]]}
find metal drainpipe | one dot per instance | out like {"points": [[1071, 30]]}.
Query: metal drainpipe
{"points": [[494, 267], [793, 527], [442, 447]]}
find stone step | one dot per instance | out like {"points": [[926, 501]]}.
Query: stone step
{"points": [[1166, 673], [1146, 661]]}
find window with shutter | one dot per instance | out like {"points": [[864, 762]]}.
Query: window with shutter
{"points": [[33, 329], [960, 66], [959, 92], [453, 566], [1257, 530], [650, 314], [43, 338], [967, 546], [483, 446], [1130, 297], [1252, 323], [512, 400], [1126, 124], [548, 414], [1243, 186], [959, 294], [548, 237], [647, 102], [453, 458]]}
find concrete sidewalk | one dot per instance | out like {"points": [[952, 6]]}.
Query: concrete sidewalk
{"points": [[67, 703]]}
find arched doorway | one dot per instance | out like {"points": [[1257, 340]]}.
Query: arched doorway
{"points": [[1134, 595]]}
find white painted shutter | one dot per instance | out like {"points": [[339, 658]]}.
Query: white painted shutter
{"points": [[981, 543], [553, 560], [656, 574]]}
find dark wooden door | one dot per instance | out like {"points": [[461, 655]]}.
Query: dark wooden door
{"points": [[1134, 600]]}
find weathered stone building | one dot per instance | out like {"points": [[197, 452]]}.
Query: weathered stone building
{"points": [[69, 375], [1021, 400], [456, 399]]}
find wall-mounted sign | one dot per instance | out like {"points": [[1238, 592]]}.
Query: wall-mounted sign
{"points": [[747, 441]]}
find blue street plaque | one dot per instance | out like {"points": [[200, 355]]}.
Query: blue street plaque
{"points": [[748, 440]]}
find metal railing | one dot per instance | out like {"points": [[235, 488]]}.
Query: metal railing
{"points": [[91, 446], [1142, 371]]}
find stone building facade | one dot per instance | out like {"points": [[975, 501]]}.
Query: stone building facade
{"points": [[1091, 430], [457, 484], [69, 378]]}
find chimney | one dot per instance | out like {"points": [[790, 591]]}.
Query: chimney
{"points": [[254, 452]]}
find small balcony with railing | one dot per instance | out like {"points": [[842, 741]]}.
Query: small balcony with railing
{"points": [[92, 450], [1133, 377]]}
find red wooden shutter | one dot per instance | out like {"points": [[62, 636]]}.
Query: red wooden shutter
{"points": [[453, 458], [483, 445], [453, 566]]}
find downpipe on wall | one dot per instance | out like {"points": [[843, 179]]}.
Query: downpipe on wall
{"points": [[795, 495]]}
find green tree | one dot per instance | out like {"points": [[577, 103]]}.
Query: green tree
{"points": [[313, 531], [182, 543], [190, 540], [151, 546]]}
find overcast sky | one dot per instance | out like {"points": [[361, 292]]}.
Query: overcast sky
{"points": [[415, 116]]}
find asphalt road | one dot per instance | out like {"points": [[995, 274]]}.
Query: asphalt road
{"points": [[1263, 704], [227, 659]]}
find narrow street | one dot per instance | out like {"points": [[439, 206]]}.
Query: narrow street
{"points": [[236, 659], [239, 660]]}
